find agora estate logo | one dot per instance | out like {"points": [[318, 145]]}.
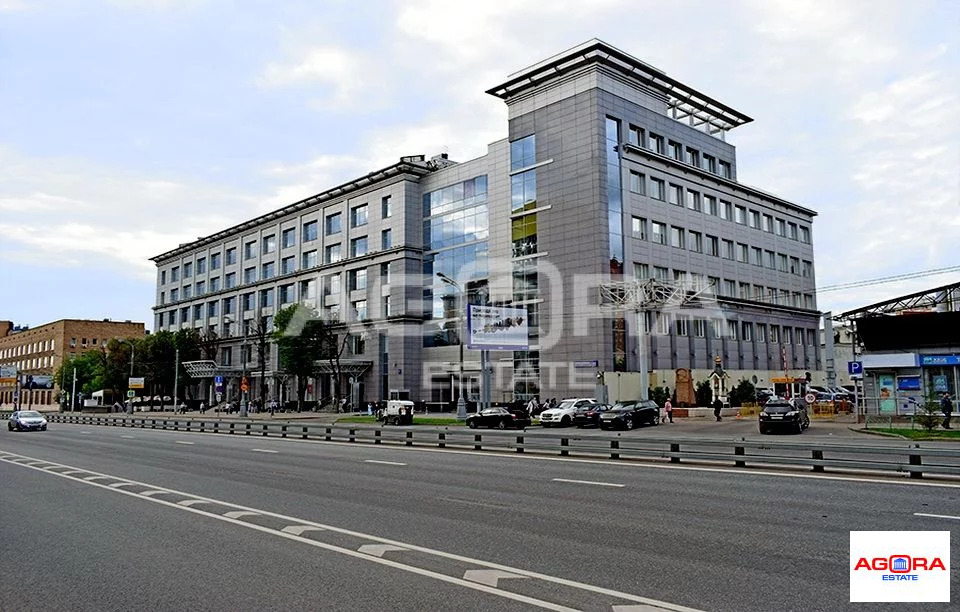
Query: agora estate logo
{"points": [[900, 567]]}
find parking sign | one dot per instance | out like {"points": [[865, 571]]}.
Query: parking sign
{"points": [[854, 367]]}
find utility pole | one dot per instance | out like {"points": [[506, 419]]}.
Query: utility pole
{"points": [[73, 390], [176, 377]]}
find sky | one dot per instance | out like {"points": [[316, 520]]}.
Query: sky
{"points": [[128, 127]]}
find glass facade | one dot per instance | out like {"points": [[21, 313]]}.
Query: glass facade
{"points": [[615, 229]]}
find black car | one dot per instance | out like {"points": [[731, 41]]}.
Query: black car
{"points": [[589, 416], [789, 415], [27, 420], [502, 418], [630, 414]]}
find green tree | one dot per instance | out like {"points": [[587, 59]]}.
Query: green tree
{"points": [[89, 369], [660, 395], [704, 393], [743, 392], [928, 413]]}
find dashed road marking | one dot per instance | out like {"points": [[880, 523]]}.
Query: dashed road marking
{"points": [[488, 577], [184, 442], [383, 462], [238, 513], [192, 502], [152, 493], [589, 482], [377, 550], [943, 516], [301, 529], [117, 485], [264, 450]]}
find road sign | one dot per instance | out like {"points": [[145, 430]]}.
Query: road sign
{"points": [[135, 383], [810, 397], [218, 383], [131, 393], [219, 397], [244, 385], [854, 367]]}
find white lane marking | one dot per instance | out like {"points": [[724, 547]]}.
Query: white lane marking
{"points": [[100, 478], [183, 442], [488, 577], [589, 482], [152, 493], [300, 529], [264, 450], [640, 608], [386, 562], [383, 462], [68, 472], [85, 432], [377, 550], [192, 502], [117, 485], [943, 516], [238, 513], [129, 437]]}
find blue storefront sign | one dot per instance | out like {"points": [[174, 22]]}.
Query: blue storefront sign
{"points": [[939, 360]]}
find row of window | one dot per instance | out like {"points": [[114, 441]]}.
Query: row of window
{"points": [[33, 363], [288, 238], [268, 270], [698, 242], [658, 189], [640, 137], [30, 348], [725, 287], [748, 331]]}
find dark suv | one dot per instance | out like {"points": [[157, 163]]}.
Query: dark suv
{"points": [[789, 415]]}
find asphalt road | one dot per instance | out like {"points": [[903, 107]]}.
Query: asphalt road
{"points": [[101, 518]]}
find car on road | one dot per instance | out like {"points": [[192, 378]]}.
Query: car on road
{"points": [[563, 414], [27, 420], [501, 418], [790, 415], [628, 415], [589, 416]]}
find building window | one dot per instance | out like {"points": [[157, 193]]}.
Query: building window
{"points": [[710, 163], [523, 190], [693, 200], [198, 312], [656, 189], [358, 216], [795, 266], [266, 298], [740, 215], [805, 235], [677, 237], [696, 242], [385, 273], [635, 136], [286, 294], [767, 224], [693, 157], [793, 231], [386, 207], [387, 311], [732, 329], [636, 182], [713, 246], [269, 270], [288, 237], [761, 332], [523, 152], [332, 254], [754, 219], [229, 305], [201, 287], [360, 310], [675, 195], [249, 275], [806, 269], [661, 273], [174, 295], [358, 246], [357, 345], [641, 271], [729, 288], [743, 254], [308, 260], [710, 205], [201, 265], [187, 291], [230, 280], [163, 277], [212, 309], [386, 239], [248, 301], [744, 291], [288, 265], [771, 258], [231, 256], [308, 289], [639, 228], [332, 224], [746, 330], [655, 142], [187, 270], [682, 324], [269, 244], [726, 170], [756, 256], [185, 314], [781, 227], [658, 232], [250, 250], [357, 279], [782, 262], [308, 232], [727, 252], [332, 285], [758, 294], [676, 150], [775, 333]]}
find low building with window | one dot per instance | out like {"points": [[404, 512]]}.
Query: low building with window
{"points": [[35, 353], [610, 170]]}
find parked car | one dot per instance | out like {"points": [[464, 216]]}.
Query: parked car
{"points": [[502, 418], [630, 414], [784, 414], [764, 394], [396, 412], [563, 414], [27, 420], [589, 416]]}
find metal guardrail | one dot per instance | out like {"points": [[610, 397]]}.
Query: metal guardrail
{"points": [[901, 458]]}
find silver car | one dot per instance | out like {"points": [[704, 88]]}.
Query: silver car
{"points": [[27, 420]]}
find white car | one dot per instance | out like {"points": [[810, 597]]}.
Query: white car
{"points": [[563, 414]]}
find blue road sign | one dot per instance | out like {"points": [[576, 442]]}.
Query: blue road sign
{"points": [[218, 383], [854, 367]]}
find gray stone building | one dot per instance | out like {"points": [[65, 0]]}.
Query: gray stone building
{"points": [[611, 170]]}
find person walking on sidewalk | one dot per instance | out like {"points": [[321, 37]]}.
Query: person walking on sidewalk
{"points": [[668, 410], [946, 407], [717, 407]]}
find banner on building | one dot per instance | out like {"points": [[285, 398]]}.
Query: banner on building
{"points": [[8, 374], [497, 328], [135, 383]]}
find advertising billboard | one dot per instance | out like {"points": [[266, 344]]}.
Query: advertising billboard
{"points": [[8, 374], [497, 328]]}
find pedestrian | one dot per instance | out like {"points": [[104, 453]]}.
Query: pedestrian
{"points": [[668, 409], [532, 406], [946, 406], [183, 407], [203, 407], [717, 407], [273, 407]]}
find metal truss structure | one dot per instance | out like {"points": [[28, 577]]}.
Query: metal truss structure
{"points": [[947, 296]]}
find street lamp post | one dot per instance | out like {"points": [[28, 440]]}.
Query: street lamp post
{"points": [[461, 404], [243, 362], [129, 399]]}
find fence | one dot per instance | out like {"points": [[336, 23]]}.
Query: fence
{"points": [[906, 458]]}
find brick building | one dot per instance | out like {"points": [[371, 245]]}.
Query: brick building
{"points": [[39, 351]]}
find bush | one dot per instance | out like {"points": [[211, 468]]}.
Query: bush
{"points": [[704, 393], [928, 413], [660, 395], [743, 392]]}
